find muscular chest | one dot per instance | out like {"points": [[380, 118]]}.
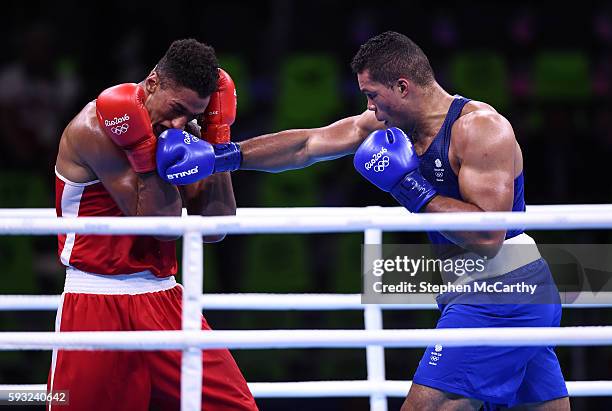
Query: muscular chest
{"points": [[439, 154]]}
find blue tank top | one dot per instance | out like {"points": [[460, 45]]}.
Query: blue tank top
{"points": [[435, 167]]}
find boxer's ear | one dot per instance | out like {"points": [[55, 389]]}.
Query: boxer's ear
{"points": [[402, 86], [152, 82]]}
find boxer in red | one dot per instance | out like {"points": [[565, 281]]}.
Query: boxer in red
{"points": [[106, 167]]}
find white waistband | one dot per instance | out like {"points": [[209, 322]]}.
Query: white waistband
{"points": [[81, 282], [514, 253]]}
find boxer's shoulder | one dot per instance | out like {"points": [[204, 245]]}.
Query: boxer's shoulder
{"points": [[479, 122], [77, 140], [85, 144], [85, 123], [85, 131], [480, 133]]}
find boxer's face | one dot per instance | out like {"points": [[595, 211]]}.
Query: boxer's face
{"points": [[386, 102], [172, 106]]}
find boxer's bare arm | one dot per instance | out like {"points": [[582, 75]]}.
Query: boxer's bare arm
{"points": [[486, 148], [292, 149], [87, 154], [212, 196]]}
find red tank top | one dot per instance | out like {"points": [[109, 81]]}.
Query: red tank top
{"points": [[106, 254]]}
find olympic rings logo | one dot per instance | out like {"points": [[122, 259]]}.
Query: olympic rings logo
{"points": [[382, 164], [123, 128]]}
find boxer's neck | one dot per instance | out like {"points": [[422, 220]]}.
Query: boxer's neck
{"points": [[433, 105]]}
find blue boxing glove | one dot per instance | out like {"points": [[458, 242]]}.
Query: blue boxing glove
{"points": [[387, 159], [183, 158]]}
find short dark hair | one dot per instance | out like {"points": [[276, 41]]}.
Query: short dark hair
{"points": [[389, 56], [191, 64]]}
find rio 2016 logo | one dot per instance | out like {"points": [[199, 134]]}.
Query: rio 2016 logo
{"points": [[378, 165]]}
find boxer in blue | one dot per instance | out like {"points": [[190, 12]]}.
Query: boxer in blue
{"points": [[458, 155]]}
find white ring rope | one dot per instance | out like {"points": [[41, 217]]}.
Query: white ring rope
{"points": [[345, 388], [551, 219], [304, 220], [389, 388], [330, 211], [253, 302], [267, 339]]}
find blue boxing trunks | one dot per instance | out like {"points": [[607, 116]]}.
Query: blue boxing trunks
{"points": [[499, 376]]}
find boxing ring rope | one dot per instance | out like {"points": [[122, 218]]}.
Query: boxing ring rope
{"points": [[326, 211], [352, 388], [370, 220], [337, 338], [537, 218], [253, 302]]}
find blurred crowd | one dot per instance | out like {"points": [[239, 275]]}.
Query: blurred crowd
{"points": [[549, 72]]}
